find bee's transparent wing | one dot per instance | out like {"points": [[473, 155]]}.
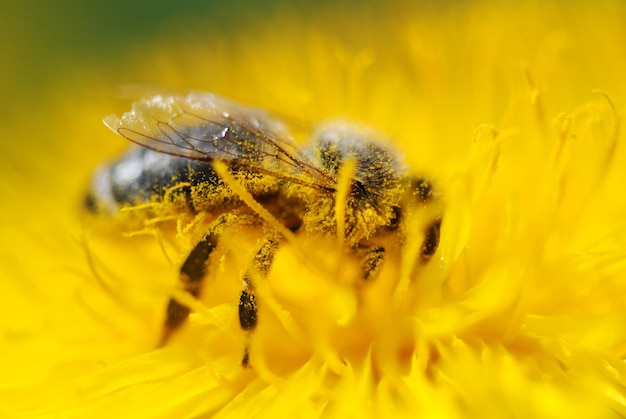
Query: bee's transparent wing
{"points": [[205, 127]]}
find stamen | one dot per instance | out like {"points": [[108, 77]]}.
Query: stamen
{"points": [[344, 181]]}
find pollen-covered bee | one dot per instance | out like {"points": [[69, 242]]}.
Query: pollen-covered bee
{"points": [[345, 181]]}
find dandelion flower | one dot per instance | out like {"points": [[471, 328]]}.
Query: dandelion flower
{"points": [[520, 312]]}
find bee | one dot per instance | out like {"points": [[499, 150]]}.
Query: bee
{"points": [[184, 140]]}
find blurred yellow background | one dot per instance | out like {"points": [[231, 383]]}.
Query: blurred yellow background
{"points": [[453, 83]]}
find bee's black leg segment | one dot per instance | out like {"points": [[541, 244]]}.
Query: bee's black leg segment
{"points": [[247, 309], [245, 361], [247, 301], [371, 259], [431, 241], [192, 274], [247, 319]]}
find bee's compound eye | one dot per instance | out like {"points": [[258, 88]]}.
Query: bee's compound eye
{"points": [[431, 242]]}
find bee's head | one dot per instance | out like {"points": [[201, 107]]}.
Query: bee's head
{"points": [[381, 192], [375, 185]]}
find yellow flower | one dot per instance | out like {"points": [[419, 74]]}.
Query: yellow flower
{"points": [[519, 313]]}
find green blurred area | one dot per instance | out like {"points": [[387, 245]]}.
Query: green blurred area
{"points": [[43, 41], [47, 43]]}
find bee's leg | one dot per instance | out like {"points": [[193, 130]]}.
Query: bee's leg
{"points": [[247, 301], [192, 274], [431, 242], [371, 259], [372, 256]]}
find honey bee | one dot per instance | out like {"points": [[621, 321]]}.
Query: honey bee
{"points": [[182, 140]]}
